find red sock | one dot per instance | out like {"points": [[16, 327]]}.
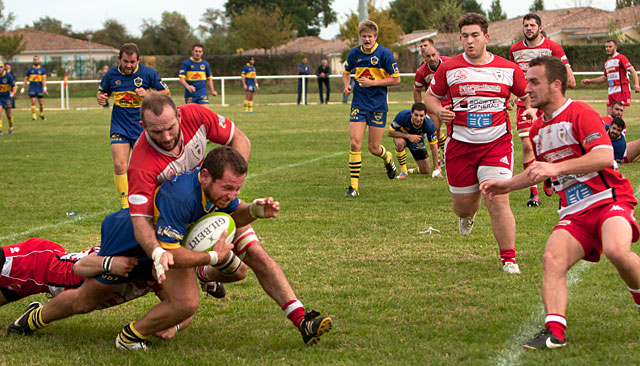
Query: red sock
{"points": [[508, 255], [294, 311], [636, 296], [557, 324], [532, 189]]}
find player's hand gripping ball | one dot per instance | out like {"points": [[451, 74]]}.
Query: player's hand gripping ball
{"points": [[204, 233]]}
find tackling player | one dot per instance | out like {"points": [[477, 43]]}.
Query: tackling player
{"points": [[129, 82], [615, 74], [408, 130], [596, 201], [375, 69], [7, 90], [36, 76], [195, 75], [533, 45], [480, 144], [250, 84]]}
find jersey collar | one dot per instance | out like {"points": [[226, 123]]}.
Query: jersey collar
{"points": [[527, 45], [469, 60], [375, 46], [192, 59], [439, 63], [414, 125], [36, 66], [558, 111], [614, 55], [207, 206], [3, 73], [134, 71]]}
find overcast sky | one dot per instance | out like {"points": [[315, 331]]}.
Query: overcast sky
{"points": [[89, 14]]}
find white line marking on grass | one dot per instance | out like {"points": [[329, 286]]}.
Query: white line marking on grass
{"points": [[512, 350], [296, 164], [51, 226]]}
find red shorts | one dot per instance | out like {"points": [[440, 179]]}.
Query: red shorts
{"points": [[464, 161], [32, 266], [586, 226], [523, 125], [623, 96]]}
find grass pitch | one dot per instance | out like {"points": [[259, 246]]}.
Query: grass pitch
{"points": [[397, 296]]}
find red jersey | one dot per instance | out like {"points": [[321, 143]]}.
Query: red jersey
{"points": [[574, 130], [425, 73], [615, 70], [479, 94], [606, 120], [150, 165]]}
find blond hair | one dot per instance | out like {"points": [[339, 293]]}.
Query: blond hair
{"points": [[368, 25]]}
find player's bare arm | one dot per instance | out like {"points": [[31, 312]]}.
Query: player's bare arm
{"points": [[346, 80], [93, 264], [388, 81], [102, 98], [24, 84], [402, 135], [599, 79], [260, 208], [435, 161], [445, 114], [146, 237], [571, 79], [185, 258], [634, 76], [417, 95], [529, 113], [592, 161], [44, 84], [211, 88], [186, 85], [241, 143]]}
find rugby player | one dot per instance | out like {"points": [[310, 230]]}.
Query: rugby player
{"points": [[250, 84], [615, 74], [617, 111], [36, 76], [408, 129], [129, 82], [479, 146], [195, 75], [623, 152], [596, 201], [375, 69], [533, 45], [7, 90]]}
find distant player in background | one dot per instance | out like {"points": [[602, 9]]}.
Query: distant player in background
{"points": [[480, 144], [617, 111], [533, 45], [195, 75], [408, 129], [249, 83], [615, 74], [129, 82], [375, 69], [7, 68], [7, 90], [596, 202], [623, 152], [36, 76]]}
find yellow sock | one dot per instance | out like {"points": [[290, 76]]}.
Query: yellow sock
{"points": [[385, 155], [0, 124], [35, 319], [441, 140], [355, 164], [122, 187], [245, 103], [129, 334], [10, 122], [402, 160], [250, 106], [41, 110], [414, 171], [33, 112]]}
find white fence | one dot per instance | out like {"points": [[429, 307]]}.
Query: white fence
{"points": [[64, 91]]}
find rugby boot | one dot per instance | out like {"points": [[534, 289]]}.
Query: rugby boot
{"points": [[312, 327], [544, 339]]}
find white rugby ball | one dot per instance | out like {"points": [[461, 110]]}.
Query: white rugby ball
{"points": [[205, 232]]}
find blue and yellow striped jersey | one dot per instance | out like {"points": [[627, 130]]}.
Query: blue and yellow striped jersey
{"points": [[195, 73], [249, 73], [7, 83], [376, 65], [180, 202], [34, 76], [402, 123]]}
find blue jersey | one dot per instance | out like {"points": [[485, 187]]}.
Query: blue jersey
{"points": [[179, 203], [249, 73], [7, 83], [125, 117], [196, 73], [35, 75], [402, 123], [376, 65]]}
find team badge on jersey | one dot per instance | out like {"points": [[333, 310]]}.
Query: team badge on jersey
{"points": [[118, 82], [137, 82], [395, 68], [460, 75], [201, 66], [499, 74], [374, 60]]}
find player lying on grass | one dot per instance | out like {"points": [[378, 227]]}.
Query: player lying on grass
{"points": [[596, 201], [42, 266], [180, 202]]}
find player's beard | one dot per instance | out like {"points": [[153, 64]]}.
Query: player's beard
{"points": [[535, 35], [170, 144]]}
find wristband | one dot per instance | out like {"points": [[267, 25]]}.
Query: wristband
{"points": [[255, 210], [155, 255], [106, 263], [177, 327], [21, 90], [213, 258], [44, 88], [435, 173]]}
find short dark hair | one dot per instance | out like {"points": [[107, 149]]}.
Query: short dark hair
{"points": [[155, 102], [428, 40], [222, 158], [619, 122], [197, 45], [129, 49], [419, 107], [532, 16], [615, 102], [474, 19], [554, 69], [612, 40]]}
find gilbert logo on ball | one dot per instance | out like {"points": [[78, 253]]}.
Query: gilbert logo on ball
{"points": [[205, 232]]}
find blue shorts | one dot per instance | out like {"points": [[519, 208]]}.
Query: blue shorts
{"points": [[117, 138], [39, 94], [200, 99], [6, 102], [250, 88], [373, 119]]}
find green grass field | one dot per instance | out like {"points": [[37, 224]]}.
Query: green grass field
{"points": [[397, 296]]}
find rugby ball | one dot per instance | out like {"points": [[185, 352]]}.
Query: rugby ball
{"points": [[205, 232]]}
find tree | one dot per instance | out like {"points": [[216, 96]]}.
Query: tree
{"points": [[537, 5], [305, 16], [6, 19], [495, 12], [214, 21], [113, 34], [173, 36], [388, 30], [260, 28], [411, 14], [52, 25], [625, 3], [447, 16], [471, 6], [11, 45]]}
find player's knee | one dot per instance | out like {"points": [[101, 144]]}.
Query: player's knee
{"points": [[553, 263], [617, 254], [374, 148], [84, 305]]}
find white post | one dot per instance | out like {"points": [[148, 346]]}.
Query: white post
{"points": [[67, 92], [62, 95], [304, 89], [222, 89]]}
